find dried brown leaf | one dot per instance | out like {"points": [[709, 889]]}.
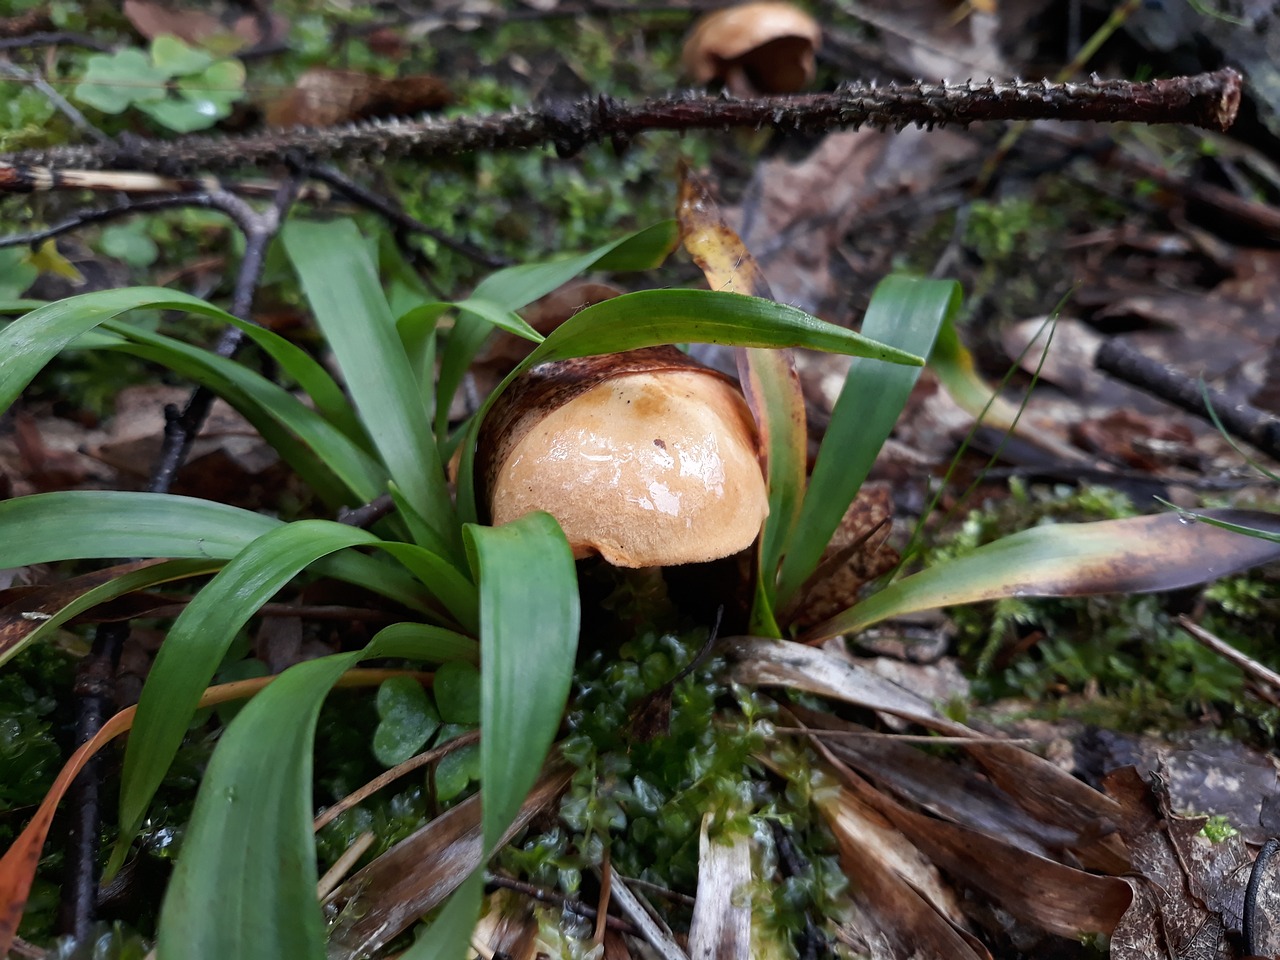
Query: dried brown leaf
{"points": [[1188, 890], [396, 889]]}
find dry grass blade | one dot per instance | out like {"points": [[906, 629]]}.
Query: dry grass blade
{"points": [[721, 924], [395, 890], [1038, 890], [778, 663], [914, 914]]}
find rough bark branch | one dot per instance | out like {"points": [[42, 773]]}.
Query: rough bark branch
{"points": [[1206, 100]]}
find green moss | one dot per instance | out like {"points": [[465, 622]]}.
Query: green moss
{"points": [[1124, 653]]}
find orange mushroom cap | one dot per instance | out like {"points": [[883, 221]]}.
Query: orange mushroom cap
{"points": [[646, 458]]}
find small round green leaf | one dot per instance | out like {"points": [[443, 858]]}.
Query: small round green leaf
{"points": [[114, 81], [407, 720], [456, 770]]}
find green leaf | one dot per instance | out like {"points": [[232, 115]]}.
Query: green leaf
{"points": [[772, 387], [332, 464], [653, 317], [129, 242], [406, 720], [529, 619], [116, 587], [518, 286], [906, 313], [174, 58], [423, 642], [91, 524], [245, 883], [229, 897], [196, 645], [456, 770], [450, 935], [111, 82], [457, 690], [1134, 555], [341, 284], [203, 100], [31, 341]]}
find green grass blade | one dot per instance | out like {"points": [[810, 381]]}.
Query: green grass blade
{"points": [[92, 524], [449, 935], [31, 341], [529, 619], [333, 464], [341, 284], [1134, 555], [245, 884], [518, 286], [772, 387], [908, 314], [442, 579], [653, 317], [165, 572], [196, 644]]}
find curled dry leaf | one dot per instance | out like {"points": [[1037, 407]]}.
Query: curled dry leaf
{"points": [[201, 28], [1188, 891], [646, 458], [754, 48]]}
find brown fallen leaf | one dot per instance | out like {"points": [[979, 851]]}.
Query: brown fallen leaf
{"points": [[201, 28], [324, 97], [1188, 890], [913, 914]]}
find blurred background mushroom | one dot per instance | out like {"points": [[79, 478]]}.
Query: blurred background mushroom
{"points": [[753, 49], [647, 458]]}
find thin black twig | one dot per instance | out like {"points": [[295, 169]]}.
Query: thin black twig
{"points": [[368, 514], [258, 227], [48, 38], [1207, 100], [559, 899], [94, 691], [1242, 420], [77, 118], [84, 218], [388, 209], [95, 676]]}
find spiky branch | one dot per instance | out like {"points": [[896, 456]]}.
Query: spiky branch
{"points": [[1206, 100]]}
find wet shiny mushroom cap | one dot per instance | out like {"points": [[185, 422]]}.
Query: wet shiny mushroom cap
{"points": [[646, 458]]}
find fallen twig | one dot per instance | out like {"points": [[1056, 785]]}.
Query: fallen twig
{"points": [[1206, 100], [1240, 419]]}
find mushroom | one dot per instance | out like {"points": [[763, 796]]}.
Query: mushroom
{"points": [[754, 48], [646, 458]]}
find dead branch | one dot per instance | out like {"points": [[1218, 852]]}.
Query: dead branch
{"points": [[1207, 100]]}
